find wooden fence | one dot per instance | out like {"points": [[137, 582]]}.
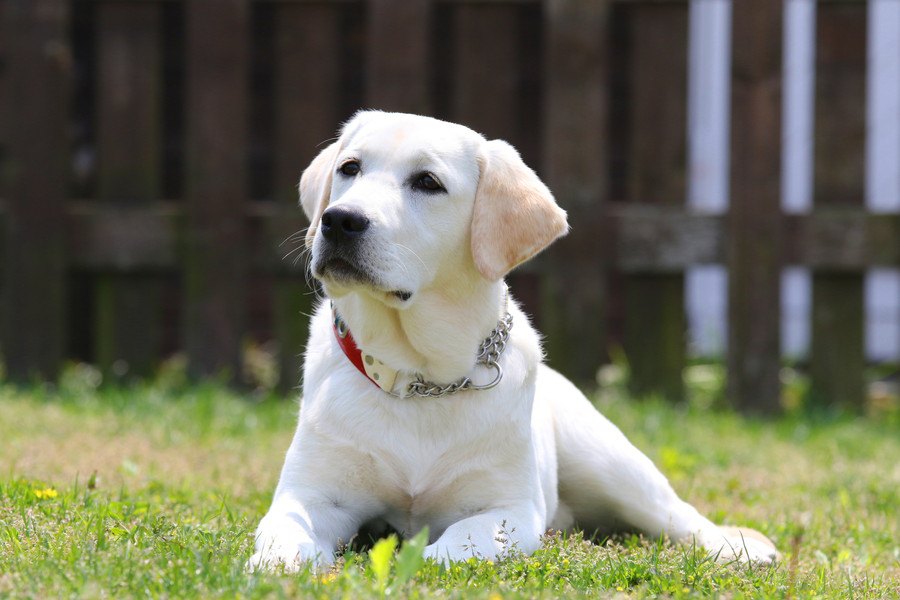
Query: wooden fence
{"points": [[151, 151]]}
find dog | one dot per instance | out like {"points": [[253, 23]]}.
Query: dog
{"points": [[425, 399]]}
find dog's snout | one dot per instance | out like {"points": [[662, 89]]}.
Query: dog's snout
{"points": [[341, 223]]}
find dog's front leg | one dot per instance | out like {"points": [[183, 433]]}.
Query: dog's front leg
{"points": [[292, 534], [489, 535]]}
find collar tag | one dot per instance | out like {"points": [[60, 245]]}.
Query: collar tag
{"points": [[376, 371]]}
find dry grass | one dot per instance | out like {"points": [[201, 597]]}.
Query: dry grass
{"points": [[183, 441]]}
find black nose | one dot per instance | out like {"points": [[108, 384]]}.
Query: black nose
{"points": [[340, 223]]}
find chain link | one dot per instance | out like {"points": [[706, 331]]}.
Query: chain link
{"points": [[488, 355]]}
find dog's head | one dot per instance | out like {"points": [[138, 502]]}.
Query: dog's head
{"points": [[401, 202]]}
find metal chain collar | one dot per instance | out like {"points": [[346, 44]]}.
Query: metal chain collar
{"points": [[488, 355]]}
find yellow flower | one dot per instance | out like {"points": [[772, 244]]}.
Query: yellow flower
{"points": [[46, 493], [328, 577]]}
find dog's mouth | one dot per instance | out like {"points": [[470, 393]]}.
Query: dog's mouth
{"points": [[344, 272]]}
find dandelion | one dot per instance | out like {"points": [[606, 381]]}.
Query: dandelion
{"points": [[328, 577], [46, 493]]}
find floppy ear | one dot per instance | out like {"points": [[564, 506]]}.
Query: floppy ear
{"points": [[515, 216], [315, 187]]}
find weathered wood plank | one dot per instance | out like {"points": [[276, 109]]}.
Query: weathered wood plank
{"points": [[650, 238], [307, 80], [754, 248], [39, 70], [5, 107], [123, 239], [485, 88], [576, 34], [307, 87], [214, 274], [654, 339], [655, 335], [129, 309], [664, 239], [837, 358], [842, 239], [129, 101], [486, 77], [398, 51]]}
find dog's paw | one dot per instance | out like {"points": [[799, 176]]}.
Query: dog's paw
{"points": [[289, 558], [742, 544], [444, 553]]}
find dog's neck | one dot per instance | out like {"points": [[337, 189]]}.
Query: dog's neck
{"points": [[436, 336]]}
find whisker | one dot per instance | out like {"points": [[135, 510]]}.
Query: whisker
{"points": [[293, 237], [301, 252], [327, 141], [416, 256], [298, 250]]}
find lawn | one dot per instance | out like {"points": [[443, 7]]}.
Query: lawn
{"points": [[155, 491]]}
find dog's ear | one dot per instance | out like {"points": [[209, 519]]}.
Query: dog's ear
{"points": [[515, 215], [315, 187]]}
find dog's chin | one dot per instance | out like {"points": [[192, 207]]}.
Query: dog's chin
{"points": [[343, 273], [340, 277]]}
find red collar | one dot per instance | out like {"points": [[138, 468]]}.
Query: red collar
{"points": [[375, 371], [385, 377]]}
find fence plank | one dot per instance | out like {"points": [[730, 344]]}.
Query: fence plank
{"points": [[486, 92], [5, 107], [129, 308], [575, 164], [214, 276], [306, 101], [486, 75], [654, 339], [649, 239], [754, 250], [837, 358], [39, 70], [398, 52]]}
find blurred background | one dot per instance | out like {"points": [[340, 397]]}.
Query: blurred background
{"points": [[731, 171]]}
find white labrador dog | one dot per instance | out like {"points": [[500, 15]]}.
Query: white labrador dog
{"points": [[425, 399]]}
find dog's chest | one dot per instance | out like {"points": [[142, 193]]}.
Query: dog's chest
{"points": [[422, 461], [437, 484]]}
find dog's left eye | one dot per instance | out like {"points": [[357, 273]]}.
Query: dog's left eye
{"points": [[427, 183], [350, 168]]}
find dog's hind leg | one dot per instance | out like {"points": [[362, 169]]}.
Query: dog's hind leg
{"points": [[605, 482]]}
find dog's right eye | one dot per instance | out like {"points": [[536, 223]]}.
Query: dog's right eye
{"points": [[350, 168]]}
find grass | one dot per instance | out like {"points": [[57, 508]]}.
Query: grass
{"points": [[155, 491]]}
